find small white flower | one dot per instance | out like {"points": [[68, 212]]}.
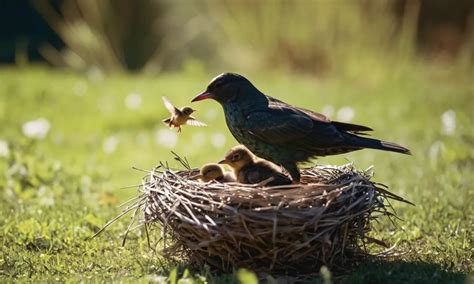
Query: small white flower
{"points": [[435, 150], [166, 138], [448, 121], [328, 110], [211, 114], [218, 140], [345, 114], [23, 171], [47, 200], [80, 88], [110, 144], [36, 129], [106, 104], [95, 74], [86, 183], [158, 279], [58, 138], [4, 149], [198, 139], [142, 138], [133, 101], [45, 196]]}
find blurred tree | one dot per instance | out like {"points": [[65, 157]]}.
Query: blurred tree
{"points": [[109, 35], [305, 36], [444, 27], [118, 35], [23, 31]]}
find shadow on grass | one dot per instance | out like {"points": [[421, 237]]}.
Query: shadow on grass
{"points": [[383, 271], [367, 272]]}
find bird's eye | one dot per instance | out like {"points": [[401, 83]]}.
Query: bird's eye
{"points": [[236, 157], [218, 84]]}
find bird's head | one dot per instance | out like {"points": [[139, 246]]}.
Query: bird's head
{"points": [[187, 110], [210, 172], [238, 157], [224, 88]]}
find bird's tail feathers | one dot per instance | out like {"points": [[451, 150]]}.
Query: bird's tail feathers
{"points": [[381, 145]]}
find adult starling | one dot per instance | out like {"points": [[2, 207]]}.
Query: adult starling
{"points": [[180, 116], [250, 170], [282, 133], [213, 171]]}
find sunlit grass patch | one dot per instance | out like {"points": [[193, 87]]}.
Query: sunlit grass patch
{"points": [[60, 189]]}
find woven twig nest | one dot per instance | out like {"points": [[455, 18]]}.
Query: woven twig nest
{"points": [[291, 227]]}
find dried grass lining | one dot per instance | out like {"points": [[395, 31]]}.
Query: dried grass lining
{"points": [[274, 228]]}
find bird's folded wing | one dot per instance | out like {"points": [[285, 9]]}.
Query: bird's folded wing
{"points": [[169, 106], [290, 127], [194, 122], [349, 127], [353, 128], [278, 128]]}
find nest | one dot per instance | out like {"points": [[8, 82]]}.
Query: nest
{"points": [[320, 222]]}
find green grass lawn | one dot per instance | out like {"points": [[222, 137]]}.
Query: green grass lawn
{"points": [[57, 191]]}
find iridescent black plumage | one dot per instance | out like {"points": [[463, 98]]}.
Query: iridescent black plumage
{"points": [[282, 133]]}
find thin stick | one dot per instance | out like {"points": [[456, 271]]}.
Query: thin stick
{"points": [[112, 221]]}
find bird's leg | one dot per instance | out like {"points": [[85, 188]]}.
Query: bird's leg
{"points": [[179, 129]]}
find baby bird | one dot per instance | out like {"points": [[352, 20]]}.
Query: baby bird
{"points": [[180, 116], [213, 171], [251, 170]]}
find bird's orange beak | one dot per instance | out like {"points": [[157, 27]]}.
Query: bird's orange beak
{"points": [[202, 96]]}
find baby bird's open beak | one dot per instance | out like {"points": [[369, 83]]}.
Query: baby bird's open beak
{"points": [[202, 96]]}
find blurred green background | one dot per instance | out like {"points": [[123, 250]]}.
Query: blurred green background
{"points": [[80, 104]]}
